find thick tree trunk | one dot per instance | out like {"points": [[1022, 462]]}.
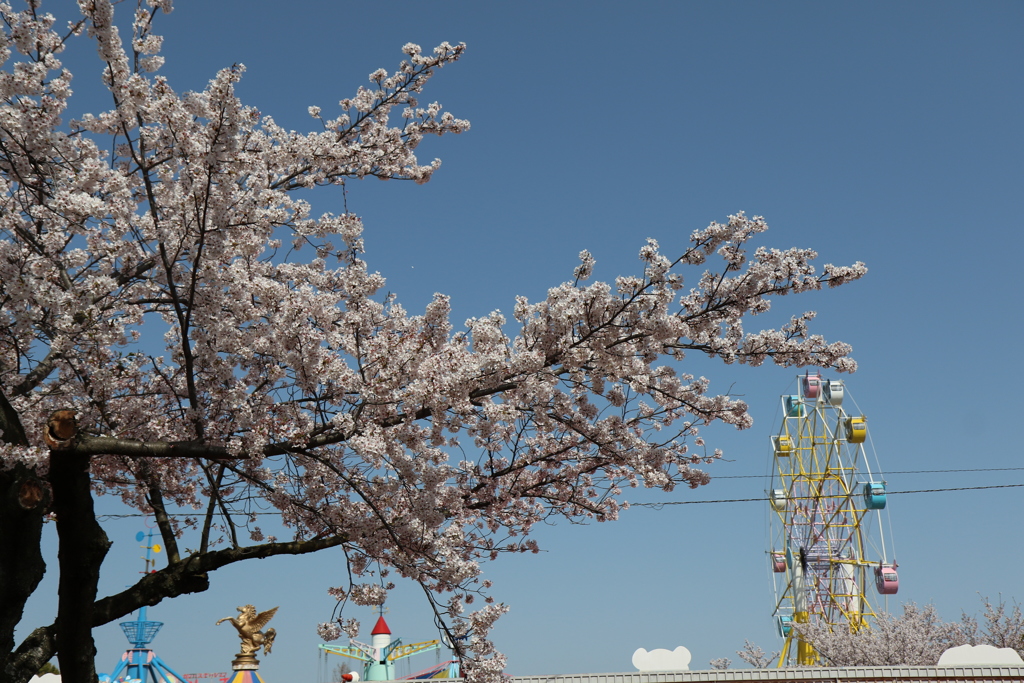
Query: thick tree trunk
{"points": [[21, 561], [83, 545], [23, 502]]}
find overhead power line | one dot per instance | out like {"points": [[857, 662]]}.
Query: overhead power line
{"points": [[973, 469], [658, 506]]}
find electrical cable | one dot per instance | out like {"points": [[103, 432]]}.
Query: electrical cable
{"points": [[658, 506], [978, 469]]}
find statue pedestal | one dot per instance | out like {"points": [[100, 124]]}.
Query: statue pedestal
{"points": [[245, 663], [246, 668]]}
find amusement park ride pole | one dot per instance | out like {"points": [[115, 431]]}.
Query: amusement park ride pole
{"points": [[140, 663]]}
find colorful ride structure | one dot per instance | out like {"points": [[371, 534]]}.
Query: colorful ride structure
{"points": [[828, 513], [139, 664], [380, 656]]}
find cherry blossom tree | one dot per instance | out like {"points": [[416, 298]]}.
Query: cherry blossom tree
{"points": [[918, 637], [180, 330], [759, 659], [1001, 625], [751, 654]]}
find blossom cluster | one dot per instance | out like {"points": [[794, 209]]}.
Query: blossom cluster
{"points": [[917, 637]]}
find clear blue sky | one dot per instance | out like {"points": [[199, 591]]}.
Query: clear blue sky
{"points": [[876, 131]]}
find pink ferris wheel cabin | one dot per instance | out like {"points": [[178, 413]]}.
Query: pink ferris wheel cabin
{"points": [[812, 384], [778, 562], [887, 581]]}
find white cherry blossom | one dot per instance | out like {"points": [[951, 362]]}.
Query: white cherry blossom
{"points": [[225, 348]]}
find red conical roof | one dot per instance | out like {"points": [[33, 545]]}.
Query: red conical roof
{"points": [[381, 627]]}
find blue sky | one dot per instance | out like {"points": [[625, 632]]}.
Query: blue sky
{"points": [[883, 132]]}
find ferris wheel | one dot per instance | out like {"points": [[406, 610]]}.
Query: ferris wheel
{"points": [[827, 511]]}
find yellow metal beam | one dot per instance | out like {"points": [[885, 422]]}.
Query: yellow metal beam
{"points": [[413, 648]]}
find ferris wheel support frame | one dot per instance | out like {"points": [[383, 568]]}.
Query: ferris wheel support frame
{"points": [[820, 518]]}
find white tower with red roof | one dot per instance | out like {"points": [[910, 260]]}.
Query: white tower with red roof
{"points": [[381, 668]]}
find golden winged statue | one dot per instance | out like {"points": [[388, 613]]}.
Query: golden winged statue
{"points": [[248, 625]]}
